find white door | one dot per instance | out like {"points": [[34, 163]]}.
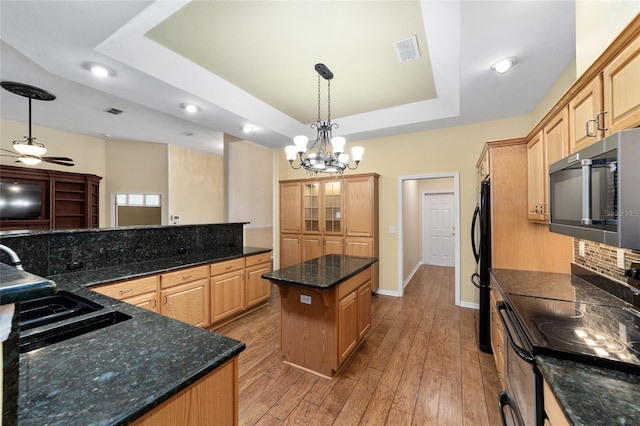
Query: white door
{"points": [[438, 237]]}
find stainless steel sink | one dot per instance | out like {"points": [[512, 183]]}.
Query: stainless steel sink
{"points": [[67, 331], [54, 308]]}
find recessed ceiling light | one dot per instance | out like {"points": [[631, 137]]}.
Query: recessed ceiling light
{"points": [[99, 70], [190, 108], [504, 65], [247, 129]]}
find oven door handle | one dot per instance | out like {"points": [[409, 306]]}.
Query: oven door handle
{"points": [[503, 401], [522, 352]]}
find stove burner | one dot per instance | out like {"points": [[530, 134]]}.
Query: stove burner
{"points": [[597, 342]]}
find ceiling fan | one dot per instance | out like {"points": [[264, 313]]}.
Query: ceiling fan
{"points": [[28, 151]]}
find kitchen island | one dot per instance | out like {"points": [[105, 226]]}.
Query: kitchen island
{"points": [[325, 310]]}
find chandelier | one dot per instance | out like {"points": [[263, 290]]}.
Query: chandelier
{"points": [[326, 154]]}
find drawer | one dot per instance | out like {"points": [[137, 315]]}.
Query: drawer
{"points": [[226, 266], [171, 279], [129, 288], [257, 259]]}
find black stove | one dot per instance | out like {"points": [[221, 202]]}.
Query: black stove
{"points": [[602, 335]]}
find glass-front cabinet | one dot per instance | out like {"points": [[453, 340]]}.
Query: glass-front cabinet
{"points": [[322, 209]]}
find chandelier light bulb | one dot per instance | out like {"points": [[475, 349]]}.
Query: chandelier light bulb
{"points": [[301, 142], [291, 152], [29, 149], [337, 142], [356, 153], [30, 161]]}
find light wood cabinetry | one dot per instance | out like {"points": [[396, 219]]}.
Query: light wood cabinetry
{"points": [[227, 289], [257, 288], [184, 295], [584, 109], [212, 400], [320, 328], [621, 81], [339, 216], [497, 335], [142, 292], [290, 207], [546, 147], [517, 242], [555, 416]]}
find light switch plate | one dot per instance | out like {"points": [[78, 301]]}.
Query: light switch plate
{"points": [[620, 259], [305, 299]]}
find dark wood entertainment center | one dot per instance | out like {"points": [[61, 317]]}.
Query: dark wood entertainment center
{"points": [[69, 200]]}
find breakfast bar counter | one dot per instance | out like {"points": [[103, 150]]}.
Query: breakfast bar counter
{"points": [[325, 310]]}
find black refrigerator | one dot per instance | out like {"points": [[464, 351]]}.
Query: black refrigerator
{"points": [[481, 244]]}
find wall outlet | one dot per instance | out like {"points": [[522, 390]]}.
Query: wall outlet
{"points": [[175, 219], [305, 299], [392, 230], [620, 259], [581, 248]]}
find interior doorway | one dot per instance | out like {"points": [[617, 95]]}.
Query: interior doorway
{"points": [[438, 228], [413, 250]]}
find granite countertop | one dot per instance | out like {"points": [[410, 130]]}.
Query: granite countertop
{"points": [[116, 374], [321, 272], [588, 395], [17, 285]]}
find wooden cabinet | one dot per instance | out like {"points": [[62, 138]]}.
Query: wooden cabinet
{"points": [[142, 292], [621, 81], [497, 335], [290, 207], [257, 288], [212, 400], [347, 325], [184, 295], [555, 415], [69, 200], [546, 147], [364, 309], [339, 216], [584, 108], [227, 289]]}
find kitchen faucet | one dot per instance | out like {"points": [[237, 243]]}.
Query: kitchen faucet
{"points": [[15, 259]]}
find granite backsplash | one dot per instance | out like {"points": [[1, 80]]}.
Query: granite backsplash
{"points": [[48, 253]]}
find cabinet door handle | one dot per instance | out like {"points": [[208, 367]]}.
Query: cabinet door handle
{"points": [[228, 267], [586, 129], [600, 114], [166, 300], [126, 291], [155, 302]]}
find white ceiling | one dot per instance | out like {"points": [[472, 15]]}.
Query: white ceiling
{"points": [[252, 63]]}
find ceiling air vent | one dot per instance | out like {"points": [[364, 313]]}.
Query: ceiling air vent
{"points": [[187, 134], [407, 49], [114, 111]]}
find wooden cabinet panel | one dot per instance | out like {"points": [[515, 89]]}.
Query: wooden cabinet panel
{"points": [[364, 309], [359, 206], [290, 250], [552, 408], [311, 247], [556, 138], [183, 276], [290, 207], [257, 259], [622, 90], [332, 207], [227, 295], [311, 208], [536, 194], [148, 301], [362, 247], [497, 335], [213, 400], [583, 109], [257, 288], [333, 245], [187, 302], [129, 288], [347, 325], [226, 266]]}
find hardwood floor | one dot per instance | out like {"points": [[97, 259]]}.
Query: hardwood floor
{"points": [[419, 365]]}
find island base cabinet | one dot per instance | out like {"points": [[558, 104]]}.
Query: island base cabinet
{"points": [[212, 400]]}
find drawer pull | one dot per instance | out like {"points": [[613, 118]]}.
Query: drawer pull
{"points": [[228, 267], [155, 302], [186, 277], [126, 291]]}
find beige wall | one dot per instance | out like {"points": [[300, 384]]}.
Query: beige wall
{"points": [[437, 151], [136, 168], [411, 250], [196, 189], [558, 88], [598, 23], [88, 153], [251, 188]]}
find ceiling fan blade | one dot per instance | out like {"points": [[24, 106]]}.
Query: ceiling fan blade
{"points": [[56, 158], [8, 150], [62, 163]]}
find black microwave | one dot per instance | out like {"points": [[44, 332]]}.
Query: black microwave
{"points": [[594, 194]]}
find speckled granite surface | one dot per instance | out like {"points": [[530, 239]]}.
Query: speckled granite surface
{"points": [[588, 395], [321, 272], [116, 374]]}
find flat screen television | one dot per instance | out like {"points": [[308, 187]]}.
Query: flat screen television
{"points": [[20, 201]]}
